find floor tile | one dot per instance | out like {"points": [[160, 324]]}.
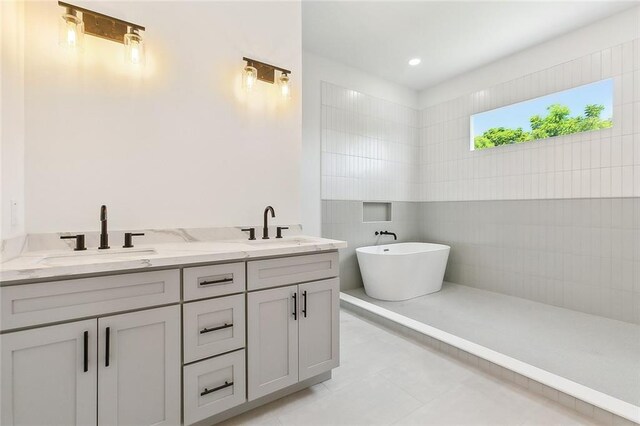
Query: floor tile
{"points": [[385, 378]]}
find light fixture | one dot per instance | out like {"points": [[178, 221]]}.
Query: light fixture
{"points": [[414, 61], [256, 70], [250, 77], [284, 86], [134, 47], [73, 28]]}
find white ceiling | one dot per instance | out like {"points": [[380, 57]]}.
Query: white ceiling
{"points": [[450, 37]]}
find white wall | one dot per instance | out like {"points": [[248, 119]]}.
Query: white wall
{"points": [[175, 144], [317, 69], [11, 118]]}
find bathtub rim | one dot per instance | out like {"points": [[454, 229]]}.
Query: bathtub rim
{"points": [[435, 248]]}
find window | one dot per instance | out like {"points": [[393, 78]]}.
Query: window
{"points": [[576, 110]]}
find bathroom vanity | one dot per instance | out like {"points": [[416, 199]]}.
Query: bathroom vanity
{"points": [[206, 335]]}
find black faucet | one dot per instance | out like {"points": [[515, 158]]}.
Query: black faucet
{"points": [[128, 238], [104, 237], [395, 237], [265, 229], [79, 241], [251, 231]]}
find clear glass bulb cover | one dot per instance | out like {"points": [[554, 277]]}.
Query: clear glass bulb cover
{"points": [[71, 32], [250, 77], [134, 48], [285, 87]]}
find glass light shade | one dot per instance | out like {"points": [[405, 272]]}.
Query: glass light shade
{"points": [[71, 30], [250, 77], [285, 87], [134, 48]]}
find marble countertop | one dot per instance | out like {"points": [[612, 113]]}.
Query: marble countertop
{"points": [[34, 265]]}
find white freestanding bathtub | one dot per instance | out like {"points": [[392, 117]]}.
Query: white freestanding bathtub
{"points": [[402, 271]]}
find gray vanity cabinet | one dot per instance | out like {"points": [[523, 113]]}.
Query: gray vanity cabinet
{"points": [[111, 369], [319, 327], [293, 334], [272, 340], [49, 375], [139, 369], [189, 345]]}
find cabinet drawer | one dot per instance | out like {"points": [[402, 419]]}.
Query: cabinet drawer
{"points": [[291, 270], [214, 280], [212, 327], [31, 304], [213, 386]]}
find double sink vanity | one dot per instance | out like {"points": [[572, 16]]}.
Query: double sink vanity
{"points": [[168, 333]]}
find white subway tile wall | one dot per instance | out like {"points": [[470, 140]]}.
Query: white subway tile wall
{"points": [[369, 147], [373, 149], [603, 163]]}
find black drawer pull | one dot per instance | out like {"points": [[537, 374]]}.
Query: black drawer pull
{"points": [[224, 280], [208, 391], [209, 330]]}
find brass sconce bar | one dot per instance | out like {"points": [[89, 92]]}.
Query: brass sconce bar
{"points": [[103, 26], [266, 72]]}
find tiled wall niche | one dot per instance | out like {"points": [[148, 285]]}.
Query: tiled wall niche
{"points": [[564, 187]]}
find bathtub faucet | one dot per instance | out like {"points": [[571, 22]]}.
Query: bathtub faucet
{"points": [[395, 237]]}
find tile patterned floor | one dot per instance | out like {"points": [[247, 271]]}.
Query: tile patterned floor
{"points": [[386, 379]]}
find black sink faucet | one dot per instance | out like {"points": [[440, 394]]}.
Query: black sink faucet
{"points": [[265, 229], [395, 237], [104, 237]]}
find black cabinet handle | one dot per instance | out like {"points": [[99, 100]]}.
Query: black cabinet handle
{"points": [[107, 343], [208, 391], [86, 351], [209, 330], [304, 303], [224, 280], [295, 306]]}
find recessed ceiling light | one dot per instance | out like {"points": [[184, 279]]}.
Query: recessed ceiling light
{"points": [[415, 61]]}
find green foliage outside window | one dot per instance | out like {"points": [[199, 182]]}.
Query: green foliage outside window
{"points": [[557, 122]]}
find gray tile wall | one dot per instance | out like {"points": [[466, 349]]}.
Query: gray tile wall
{"points": [[342, 220], [581, 254]]}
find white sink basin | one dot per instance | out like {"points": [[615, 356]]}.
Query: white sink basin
{"points": [[90, 256]]}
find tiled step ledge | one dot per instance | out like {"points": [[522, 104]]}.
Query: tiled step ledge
{"points": [[603, 408]]}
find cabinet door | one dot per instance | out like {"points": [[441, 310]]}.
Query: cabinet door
{"points": [[319, 327], [272, 340], [49, 375], [139, 368]]}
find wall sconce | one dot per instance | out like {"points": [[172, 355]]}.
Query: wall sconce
{"points": [[76, 21], [256, 70], [71, 29]]}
